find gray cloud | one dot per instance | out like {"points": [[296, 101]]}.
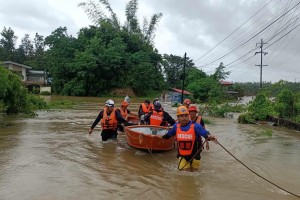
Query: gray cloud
{"points": [[186, 26]]}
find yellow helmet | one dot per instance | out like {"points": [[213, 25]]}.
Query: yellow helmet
{"points": [[182, 110]]}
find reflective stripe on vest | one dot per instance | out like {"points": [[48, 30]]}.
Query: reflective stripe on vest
{"points": [[156, 118], [109, 122], [185, 140]]}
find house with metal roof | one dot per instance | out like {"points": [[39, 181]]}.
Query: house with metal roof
{"points": [[20, 69], [175, 95], [29, 77]]}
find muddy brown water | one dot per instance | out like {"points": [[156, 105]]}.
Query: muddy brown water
{"points": [[52, 157]]}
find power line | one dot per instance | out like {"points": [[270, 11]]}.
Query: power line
{"points": [[240, 38], [252, 36], [261, 59], [234, 31]]}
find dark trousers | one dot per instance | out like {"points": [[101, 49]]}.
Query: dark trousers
{"points": [[109, 134]]}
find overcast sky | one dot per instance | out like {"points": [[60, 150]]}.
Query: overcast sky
{"points": [[196, 27]]}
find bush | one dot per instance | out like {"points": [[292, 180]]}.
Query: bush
{"points": [[246, 118], [176, 104], [286, 104], [219, 111], [261, 107]]}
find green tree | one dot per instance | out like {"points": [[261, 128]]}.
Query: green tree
{"points": [[97, 15], [7, 44], [194, 74], [25, 51], [261, 107], [220, 73], [13, 96], [39, 62], [60, 56], [173, 69], [206, 89], [286, 104]]}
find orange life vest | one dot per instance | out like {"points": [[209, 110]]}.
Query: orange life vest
{"points": [[185, 140], [124, 113], [156, 118], [109, 122], [145, 109], [198, 120]]}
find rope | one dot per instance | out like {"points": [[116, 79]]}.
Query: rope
{"points": [[150, 150], [255, 172]]}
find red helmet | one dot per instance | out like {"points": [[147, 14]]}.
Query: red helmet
{"points": [[187, 101], [193, 108], [124, 103]]}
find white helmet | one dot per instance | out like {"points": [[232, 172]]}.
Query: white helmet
{"points": [[110, 103]]}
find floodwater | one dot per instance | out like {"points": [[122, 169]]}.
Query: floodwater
{"points": [[53, 157]]}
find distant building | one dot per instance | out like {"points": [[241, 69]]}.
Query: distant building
{"points": [[228, 88], [20, 69], [226, 83], [29, 77], [176, 94]]}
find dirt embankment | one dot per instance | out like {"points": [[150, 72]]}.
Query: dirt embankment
{"points": [[123, 92]]}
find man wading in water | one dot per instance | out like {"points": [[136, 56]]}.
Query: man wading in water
{"points": [[188, 135], [109, 119]]}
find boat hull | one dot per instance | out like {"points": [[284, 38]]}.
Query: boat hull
{"points": [[145, 137]]}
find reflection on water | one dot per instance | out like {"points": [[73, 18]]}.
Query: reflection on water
{"points": [[53, 157]]}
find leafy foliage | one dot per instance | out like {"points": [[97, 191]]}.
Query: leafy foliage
{"points": [[220, 73], [173, 68], [246, 118], [219, 111], [7, 44], [206, 89], [261, 107], [287, 104], [13, 96]]}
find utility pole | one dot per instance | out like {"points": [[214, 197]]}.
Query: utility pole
{"points": [[261, 58], [183, 77]]}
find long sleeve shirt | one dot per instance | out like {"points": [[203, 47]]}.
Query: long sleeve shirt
{"points": [[199, 130], [100, 116]]}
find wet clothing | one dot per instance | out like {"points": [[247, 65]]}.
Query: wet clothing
{"points": [[109, 121], [183, 163], [200, 121], [124, 113], [108, 133], [143, 110], [198, 130], [185, 140], [162, 116]]}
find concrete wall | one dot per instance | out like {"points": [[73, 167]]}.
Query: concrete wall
{"points": [[48, 89]]}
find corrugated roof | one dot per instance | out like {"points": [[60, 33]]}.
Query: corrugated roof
{"points": [[10, 62], [180, 91], [226, 83], [39, 72]]}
